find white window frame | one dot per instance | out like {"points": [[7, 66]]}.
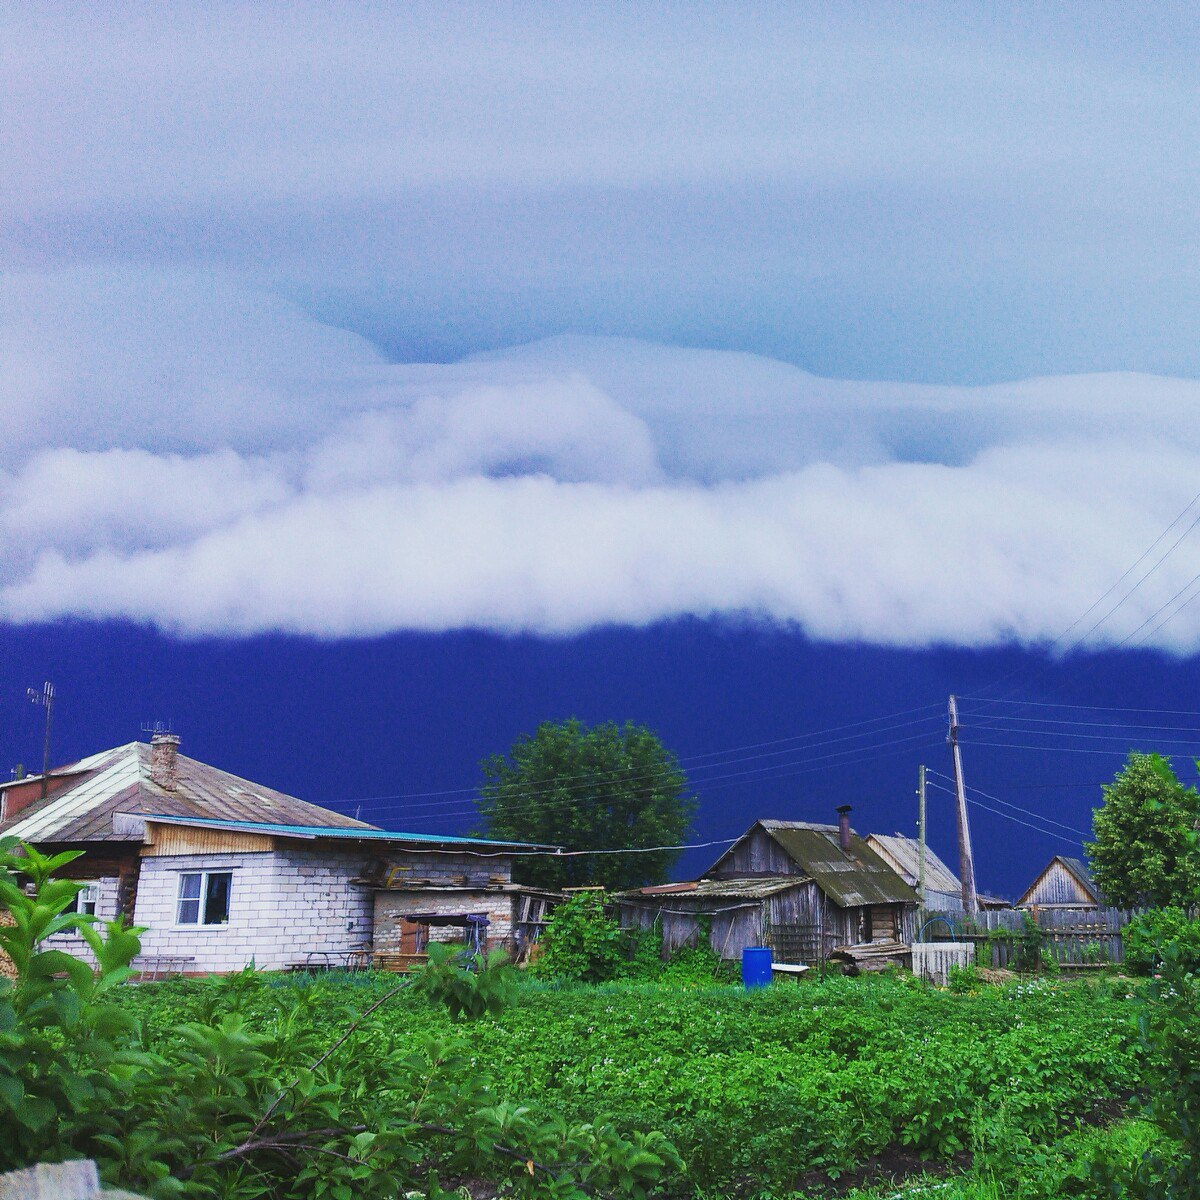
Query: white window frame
{"points": [[88, 894], [201, 901]]}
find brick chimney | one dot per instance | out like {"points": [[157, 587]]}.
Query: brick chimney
{"points": [[843, 813], [163, 753]]}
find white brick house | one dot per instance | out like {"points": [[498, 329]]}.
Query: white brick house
{"points": [[223, 872]]}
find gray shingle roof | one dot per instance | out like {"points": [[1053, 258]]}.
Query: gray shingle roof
{"points": [[118, 781]]}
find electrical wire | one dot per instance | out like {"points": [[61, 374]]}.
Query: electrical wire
{"points": [[634, 777], [1007, 804], [592, 775], [1007, 816], [526, 801]]}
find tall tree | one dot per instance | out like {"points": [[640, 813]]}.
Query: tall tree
{"points": [[608, 787], [1145, 849]]}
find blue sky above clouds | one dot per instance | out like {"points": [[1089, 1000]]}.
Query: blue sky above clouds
{"points": [[870, 325]]}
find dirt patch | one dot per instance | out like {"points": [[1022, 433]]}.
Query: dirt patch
{"points": [[995, 974], [893, 1165], [8, 968]]}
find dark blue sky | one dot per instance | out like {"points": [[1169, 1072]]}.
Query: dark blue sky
{"points": [[273, 280], [368, 721]]}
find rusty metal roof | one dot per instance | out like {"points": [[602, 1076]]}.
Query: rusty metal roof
{"points": [[757, 888], [118, 781], [849, 878]]}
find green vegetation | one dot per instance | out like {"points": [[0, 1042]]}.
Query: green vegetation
{"points": [[608, 787], [1146, 850], [248, 1090], [1145, 936], [373, 1085], [761, 1092]]}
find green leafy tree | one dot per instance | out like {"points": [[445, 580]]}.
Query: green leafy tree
{"points": [[608, 787], [1145, 848]]}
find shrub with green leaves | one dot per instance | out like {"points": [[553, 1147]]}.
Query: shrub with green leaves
{"points": [[269, 1093], [582, 942], [469, 985], [1146, 935]]}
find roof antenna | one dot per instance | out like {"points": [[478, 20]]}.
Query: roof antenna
{"points": [[46, 699], [154, 728]]}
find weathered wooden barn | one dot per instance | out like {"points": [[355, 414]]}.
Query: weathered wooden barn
{"points": [[1063, 883], [805, 889]]}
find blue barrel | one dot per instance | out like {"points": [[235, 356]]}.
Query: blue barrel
{"points": [[756, 966]]}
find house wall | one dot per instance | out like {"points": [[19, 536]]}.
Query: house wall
{"points": [[106, 910], [282, 905], [392, 905], [1057, 886], [756, 854]]}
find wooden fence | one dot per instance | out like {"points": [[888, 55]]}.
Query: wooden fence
{"points": [[1076, 938]]}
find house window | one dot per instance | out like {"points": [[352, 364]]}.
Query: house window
{"points": [[84, 902], [204, 898]]}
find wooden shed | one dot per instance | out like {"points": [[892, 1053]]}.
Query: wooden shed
{"points": [[804, 889], [1063, 883]]}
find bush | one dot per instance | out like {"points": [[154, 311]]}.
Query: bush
{"points": [[1146, 937], [469, 985], [266, 1099], [582, 943]]}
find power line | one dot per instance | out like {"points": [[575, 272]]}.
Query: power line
{"points": [[1008, 816], [1007, 804], [1116, 584], [1174, 712], [778, 770], [601, 779], [591, 776], [1117, 725], [1059, 749]]}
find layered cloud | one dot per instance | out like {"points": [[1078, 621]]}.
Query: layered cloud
{"points": [[193, 453]]}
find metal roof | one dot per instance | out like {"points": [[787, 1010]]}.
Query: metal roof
{"points": [[757, 888], [313, 832], [118, 781], [902, 853], [849, 878]]}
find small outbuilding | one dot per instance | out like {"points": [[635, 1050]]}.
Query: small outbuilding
{"points": [[803, 888], [1063, 883]]}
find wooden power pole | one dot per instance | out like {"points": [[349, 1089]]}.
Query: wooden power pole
{"points": [[921, 834], [966, 860], [46, 699]]}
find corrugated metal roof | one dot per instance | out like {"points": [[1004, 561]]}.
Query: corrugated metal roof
{"points": [[118, 780], [849, 878], [903, 854], [312, 832], [757, 888]]}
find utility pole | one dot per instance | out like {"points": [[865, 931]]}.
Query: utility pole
{"points": [[921, 833], [46, 699], [966, 861]]}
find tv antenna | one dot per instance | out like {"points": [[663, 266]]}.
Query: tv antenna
{"points": [[46, 699], [154, 728]]}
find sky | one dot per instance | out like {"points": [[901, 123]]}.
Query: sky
{"points": [[377, 382]]}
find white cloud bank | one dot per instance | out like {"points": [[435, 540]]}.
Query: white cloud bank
{"points": [[189, 453]]}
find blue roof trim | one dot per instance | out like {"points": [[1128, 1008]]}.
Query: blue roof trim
{"points": [[335, 831]]}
